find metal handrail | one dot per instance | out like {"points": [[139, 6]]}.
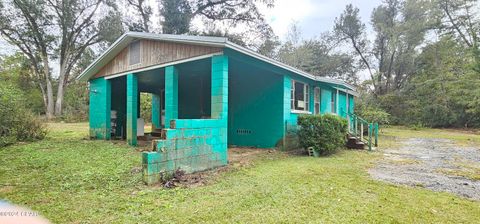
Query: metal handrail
{"points": [[372, 129]]}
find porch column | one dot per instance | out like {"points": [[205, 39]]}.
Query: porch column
{"points": [[219, 87], [99, 110], [132, 112], [156, 112], [219, 105], [171, 94]]}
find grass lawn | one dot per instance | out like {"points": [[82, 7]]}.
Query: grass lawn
{"points": [[70, 179]]}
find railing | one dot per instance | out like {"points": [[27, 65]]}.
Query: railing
{"points": [[358, 126]]}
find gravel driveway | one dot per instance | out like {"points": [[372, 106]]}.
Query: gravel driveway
{"points": [[431, 163]]}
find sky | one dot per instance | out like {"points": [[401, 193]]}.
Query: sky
{"points": [[313, 16]]}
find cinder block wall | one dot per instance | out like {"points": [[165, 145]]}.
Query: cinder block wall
{"points": [[193, 145]]}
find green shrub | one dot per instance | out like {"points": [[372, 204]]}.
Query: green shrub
{"points": [[17, 123], [325, 133], [375, 115]]}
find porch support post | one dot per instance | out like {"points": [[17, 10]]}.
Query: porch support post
{"points": [[155, 112], [219, 87], [99, 110], [132, 112], [219, 107], [171, 94]]}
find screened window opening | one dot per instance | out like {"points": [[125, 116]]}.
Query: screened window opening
{"points": [[300, 96], [134, 53]]}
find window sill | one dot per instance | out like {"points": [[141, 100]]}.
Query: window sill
{"points": [[301, 112]]}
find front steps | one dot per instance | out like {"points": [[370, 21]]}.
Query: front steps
{"points": [[355, 143]]}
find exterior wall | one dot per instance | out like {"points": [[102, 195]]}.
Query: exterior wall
{"points": [[290, 118], [326, 101], [256, 109], [153, 53], [193, 144], [99, 111], [342, 104]]}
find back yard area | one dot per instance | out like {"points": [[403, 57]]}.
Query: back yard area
{"points": [[70, 179]]}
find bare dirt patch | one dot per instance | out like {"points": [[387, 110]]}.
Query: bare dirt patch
{"points": [[425, 162], [237, 158]]}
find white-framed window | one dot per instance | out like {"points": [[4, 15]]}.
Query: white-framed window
{"points": [[333, 102], [316, 100], [300, 96], [134, 53]]}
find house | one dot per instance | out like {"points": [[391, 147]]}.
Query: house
{"points": [[207, 93]]}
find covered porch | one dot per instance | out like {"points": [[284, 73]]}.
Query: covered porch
{"points": [[189, 113]]}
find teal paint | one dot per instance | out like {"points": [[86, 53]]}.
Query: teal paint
{"points": [[351, 101], [219, 85], [255, 108], [132, 109], [156, 111], [193, 144], [171, 94], [325, 101], [99, 111], [342, 104]]}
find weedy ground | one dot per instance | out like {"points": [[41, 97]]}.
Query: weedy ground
{"points": [[70, 179]]}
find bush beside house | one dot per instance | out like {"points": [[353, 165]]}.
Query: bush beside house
{"points": [[324, 133], [17, 123]]}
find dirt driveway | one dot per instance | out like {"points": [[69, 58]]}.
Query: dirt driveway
{"points": [[436, 164]]}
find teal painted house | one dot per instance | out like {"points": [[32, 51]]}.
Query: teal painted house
{"points": [[207, 94]]}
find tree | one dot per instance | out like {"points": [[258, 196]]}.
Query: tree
{"points": [[79, 31], [348, 27], [400, 28], [317, 56], [26, 24], [145, 12], [56, 29], [177, 15], [460, 18]]}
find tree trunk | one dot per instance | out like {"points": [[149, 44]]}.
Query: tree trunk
{"points": [[48, 83], [60, 90]]}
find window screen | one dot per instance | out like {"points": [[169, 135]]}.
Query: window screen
{"points": [[134, 53]]}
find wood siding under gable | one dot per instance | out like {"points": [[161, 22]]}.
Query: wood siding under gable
{"points": [[154, 53]]}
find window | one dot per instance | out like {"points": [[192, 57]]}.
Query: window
{"points": [[334, 99], [300, 96], [316, 101], [134, 53]]}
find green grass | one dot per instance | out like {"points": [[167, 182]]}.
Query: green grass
{"points": [[462, 137], [70, 179]]}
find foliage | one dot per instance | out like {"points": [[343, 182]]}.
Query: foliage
{"points": [[325, 133], [45, 31], [76, 103], [400, 27], [146, 107], [372, 114], [16, 122], [317, 56]]}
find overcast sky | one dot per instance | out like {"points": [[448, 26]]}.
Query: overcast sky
{"points": [[313, 16]]}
